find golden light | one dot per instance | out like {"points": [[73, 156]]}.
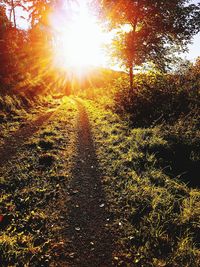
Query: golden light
{"points": [[78, 41]]}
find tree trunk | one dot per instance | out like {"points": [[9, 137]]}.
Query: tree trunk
{"points": [[13, 10], [131, 77]]}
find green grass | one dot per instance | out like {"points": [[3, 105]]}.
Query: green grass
{"points": [[156, 215]]}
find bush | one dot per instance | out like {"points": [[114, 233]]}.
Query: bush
{"points": [[157, 98]]}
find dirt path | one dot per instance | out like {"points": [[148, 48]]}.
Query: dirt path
{"points": [[13, 143], [91, 242], [77, 218]]}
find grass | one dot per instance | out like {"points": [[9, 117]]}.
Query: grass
{"points": [[17, 109], [33, 198], [153, 205], [156, 215]]}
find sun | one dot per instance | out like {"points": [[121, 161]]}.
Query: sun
{"points": [[78, 41]]}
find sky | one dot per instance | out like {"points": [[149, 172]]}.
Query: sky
{"points": [[193, 48]]}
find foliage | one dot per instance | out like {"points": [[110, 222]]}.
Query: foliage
{"points": [[159, 98], [8, 48], [156, 30], [39, 10], [26, 56]]}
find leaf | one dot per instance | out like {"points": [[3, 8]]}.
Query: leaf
{"points": [[1, 218]]}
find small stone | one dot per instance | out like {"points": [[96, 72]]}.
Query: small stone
{"points": [[102, 205], [71, 255], [77, 229]]}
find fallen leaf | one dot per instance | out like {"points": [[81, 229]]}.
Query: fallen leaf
{"points": [[1, 218], [72, 255]]}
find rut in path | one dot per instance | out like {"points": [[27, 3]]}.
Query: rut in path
{"points": [[91, 242], [13, 143]]}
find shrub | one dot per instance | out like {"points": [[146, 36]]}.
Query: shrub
{"points": [[156, 98]]}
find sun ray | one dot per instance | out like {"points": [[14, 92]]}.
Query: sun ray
{"points": [[78, 40]]}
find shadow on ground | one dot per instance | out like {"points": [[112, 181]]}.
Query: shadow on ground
{"points": [[13, 143], [88, 234]]}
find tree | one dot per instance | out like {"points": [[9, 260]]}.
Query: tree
{"points": [[40, 9], [5, 56], [13, 11], [156, 29], [11, 5], [11, 49]]}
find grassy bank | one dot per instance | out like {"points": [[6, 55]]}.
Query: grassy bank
{"points": [[33, 193], [18, 109], [155, 214]]}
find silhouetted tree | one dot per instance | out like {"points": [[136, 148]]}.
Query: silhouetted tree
{"points": [[156, 29]]}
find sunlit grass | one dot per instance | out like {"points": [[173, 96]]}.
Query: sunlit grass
{"points": [[30, 225], [155, 215]]}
